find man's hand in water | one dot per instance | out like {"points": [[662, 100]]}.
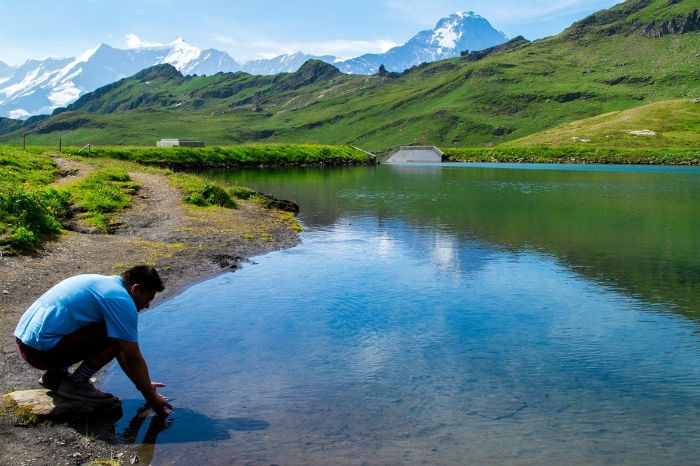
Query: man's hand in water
{"points": [[160, 403]]}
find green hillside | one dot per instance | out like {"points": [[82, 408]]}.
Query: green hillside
{"points": [[637, 53], [671, 123]]}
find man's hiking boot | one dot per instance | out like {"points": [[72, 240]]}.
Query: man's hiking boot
{"points": [[83, 391], [53, 379]]}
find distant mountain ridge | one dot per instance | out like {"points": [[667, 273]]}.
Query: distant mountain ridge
{"points": [[40, 86], [636, 53]]}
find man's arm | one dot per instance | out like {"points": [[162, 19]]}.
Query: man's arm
{"points": [[134, 366]]}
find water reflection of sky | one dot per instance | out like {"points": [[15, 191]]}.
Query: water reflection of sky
{"points": [[380, 342]]}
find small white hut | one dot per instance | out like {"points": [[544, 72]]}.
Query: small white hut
{"points": [[415, 154], [179, 143]]}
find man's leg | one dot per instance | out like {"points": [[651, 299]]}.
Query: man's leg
{"points": [[89, 344], [95, 362], [96, 350]]}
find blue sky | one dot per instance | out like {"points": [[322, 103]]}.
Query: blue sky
{"points": [[248, 29]]}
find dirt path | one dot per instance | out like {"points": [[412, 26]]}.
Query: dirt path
{"points": [[159, 210], [186, 244]]}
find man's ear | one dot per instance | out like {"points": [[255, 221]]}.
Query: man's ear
{"points": [[134, 288]]}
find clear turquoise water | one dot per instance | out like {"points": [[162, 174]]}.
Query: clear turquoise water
{"points": [[443, 315]]}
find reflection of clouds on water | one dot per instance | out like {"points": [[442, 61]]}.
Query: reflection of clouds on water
{"points": [[385, 244], [444, 254], [374, 351]]}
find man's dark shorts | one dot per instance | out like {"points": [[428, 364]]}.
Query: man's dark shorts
{"points": [[73, 348]]}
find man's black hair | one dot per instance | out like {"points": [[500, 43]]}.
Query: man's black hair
{"points": [[143, 275]]}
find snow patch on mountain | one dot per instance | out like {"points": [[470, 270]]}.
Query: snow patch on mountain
{"points": [[73, 68], [447, 32], [182, 56], [64, 94], [26, 86]]}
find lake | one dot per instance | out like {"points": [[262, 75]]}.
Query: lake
{"points": [[443, 314]]}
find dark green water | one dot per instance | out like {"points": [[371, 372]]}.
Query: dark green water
{"points": [[637, 228], [443, 315]]}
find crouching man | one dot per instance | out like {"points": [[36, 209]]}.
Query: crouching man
{"points": [[91, 319]]}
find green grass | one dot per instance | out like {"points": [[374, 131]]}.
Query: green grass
{"points": [[101, 193], [201, 193], [28, 167], [609, 63], [673, 123], [572, 154], [30, 210], [243, 155]]}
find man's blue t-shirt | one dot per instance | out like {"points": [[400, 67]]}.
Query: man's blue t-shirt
{"points": [[75, 303]]}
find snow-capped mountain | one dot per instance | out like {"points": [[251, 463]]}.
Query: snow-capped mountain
{"points": [[283, 63], [40, 86], [451, 35], [5, 72]]}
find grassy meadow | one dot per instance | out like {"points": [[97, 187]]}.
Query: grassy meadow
{"points": [[671, 123]]}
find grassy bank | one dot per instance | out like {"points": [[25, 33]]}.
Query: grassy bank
{"points": [[34, 208], [248, 155], [598, 155]]}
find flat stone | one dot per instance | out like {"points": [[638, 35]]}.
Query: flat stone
{"points": [[43, 403]]}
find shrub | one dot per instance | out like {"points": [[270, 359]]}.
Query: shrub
{"points": [[211, 194], [241, 192], [56, 201], [27, 216], [196, 199], [22, 240]]}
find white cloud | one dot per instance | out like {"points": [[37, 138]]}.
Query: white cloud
{"points": [[134, 42], [18, 114]]}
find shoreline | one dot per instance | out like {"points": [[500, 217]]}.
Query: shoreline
{"points": [[186, 244]]}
